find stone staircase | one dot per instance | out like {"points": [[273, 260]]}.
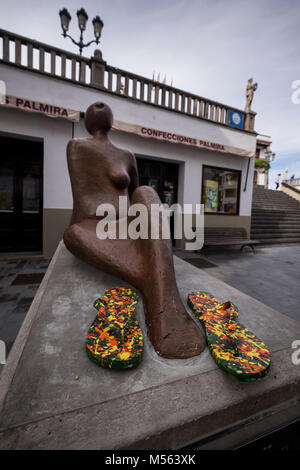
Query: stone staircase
{"points": [[275, 217]]}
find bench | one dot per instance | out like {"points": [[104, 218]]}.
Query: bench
{"points": [[217, 236]]}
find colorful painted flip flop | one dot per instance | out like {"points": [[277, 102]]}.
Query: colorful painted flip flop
{"points": [[115, 339], [235, 349]]}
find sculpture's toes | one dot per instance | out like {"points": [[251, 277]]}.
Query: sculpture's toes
{"points": [[180, 343]]}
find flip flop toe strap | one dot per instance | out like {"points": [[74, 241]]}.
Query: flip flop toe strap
{"points": [[112, 322], [232, 311], [116, 314]]}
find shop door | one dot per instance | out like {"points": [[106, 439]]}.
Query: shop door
{"points": [[21, 189], [161, 176]]}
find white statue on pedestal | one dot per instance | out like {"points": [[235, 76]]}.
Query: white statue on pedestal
{"points": [[250, 89]]}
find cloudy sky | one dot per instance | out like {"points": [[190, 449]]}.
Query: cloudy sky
{"points": [[208, 47]]}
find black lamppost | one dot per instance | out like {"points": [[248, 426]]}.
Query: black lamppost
{"points": [[65, 19], [270, 156]]}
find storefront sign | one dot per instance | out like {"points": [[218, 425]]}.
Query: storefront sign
{"points": [[179, 139], [36, 107], [60, 112]]}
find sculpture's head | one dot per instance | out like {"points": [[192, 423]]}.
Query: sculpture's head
{"points": [[98, 117]]}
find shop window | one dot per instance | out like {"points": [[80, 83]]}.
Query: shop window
{"points": [[161, 176], [220, 190]]}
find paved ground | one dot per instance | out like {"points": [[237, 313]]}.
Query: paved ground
{"points": [[15, 300], [271, 275]]}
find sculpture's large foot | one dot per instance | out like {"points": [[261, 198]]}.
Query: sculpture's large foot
{"points": [[172, 331], [179, 341]]}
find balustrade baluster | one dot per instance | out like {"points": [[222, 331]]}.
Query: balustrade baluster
{"points": [[163, 97], [63, 65], [227, 117], [5, 48], [110, 80], [201, 108], [134, 87], [176, 101], [42, 60], [183, 99], [118, 90], [142, 91], [18, 52], [126, 89], [73, 73], [206, 110], [223, 115], [195, 107], [170, 101], [149, 95], [29, 56], [82, 71], [53, 64], [156, 96]]}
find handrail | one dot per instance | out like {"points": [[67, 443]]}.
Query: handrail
{"points": [[293, 181], [94, 72], [289, 186]]}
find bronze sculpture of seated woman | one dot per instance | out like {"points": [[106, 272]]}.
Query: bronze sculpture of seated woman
{"points": [[100, 173]]}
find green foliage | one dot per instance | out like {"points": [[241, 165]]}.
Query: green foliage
{"points": [[259, 163]]}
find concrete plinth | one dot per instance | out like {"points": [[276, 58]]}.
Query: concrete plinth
{"points": [[53, 397]]}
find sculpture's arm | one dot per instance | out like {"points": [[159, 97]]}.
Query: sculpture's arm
{"points": [[72, 149]]}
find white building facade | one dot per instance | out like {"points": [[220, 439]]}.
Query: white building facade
{"points": [[191, 150], [264, 156]]}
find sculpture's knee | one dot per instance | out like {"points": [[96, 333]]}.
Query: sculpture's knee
{"points": [[71, 237], [145, 195]]}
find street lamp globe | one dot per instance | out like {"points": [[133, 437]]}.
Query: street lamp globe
{"points": [[82, 19], [98, 25], [65, 19]]}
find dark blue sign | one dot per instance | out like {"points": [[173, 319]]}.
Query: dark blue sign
{"points": [[236, 119]]}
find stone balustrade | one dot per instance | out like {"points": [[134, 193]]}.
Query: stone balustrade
{"points": [[42, 58], [293, 181], [291, 190]]}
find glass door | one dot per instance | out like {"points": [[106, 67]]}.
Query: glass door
{"points": [[7, 209], [21, 186], [161, 176]]}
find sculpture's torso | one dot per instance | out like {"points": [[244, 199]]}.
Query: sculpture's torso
{"points": [[100, 173]]}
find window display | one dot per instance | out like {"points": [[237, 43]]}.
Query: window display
{"points": [[220, 190]]}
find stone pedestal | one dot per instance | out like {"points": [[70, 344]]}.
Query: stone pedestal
{"points": [[250, 121], [53, 397]]}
